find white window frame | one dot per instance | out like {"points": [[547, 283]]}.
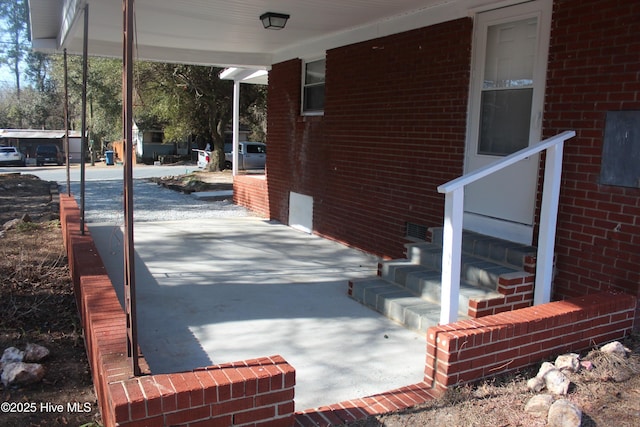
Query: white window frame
{"points": [[305, 85]]}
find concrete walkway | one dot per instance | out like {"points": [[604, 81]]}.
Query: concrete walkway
{"points": [[229, 289]]}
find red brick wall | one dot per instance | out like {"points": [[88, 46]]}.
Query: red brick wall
{"points": [[288, 139], [392, 131], [469, 350], [594, 67], [251, 191]]}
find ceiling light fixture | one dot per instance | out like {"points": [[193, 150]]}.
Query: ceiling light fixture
{"points": [[274, 21]]}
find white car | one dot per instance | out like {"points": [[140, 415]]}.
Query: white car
{"points": [[12, 156], [251, 155]]}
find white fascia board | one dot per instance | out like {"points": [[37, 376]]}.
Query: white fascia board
{"points": [[245, 75]]}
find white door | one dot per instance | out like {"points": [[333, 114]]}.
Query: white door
{"points": [[505, 115]]}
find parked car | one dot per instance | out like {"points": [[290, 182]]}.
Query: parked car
{"points": [[49, 154], [251, 155], [12, 156]]}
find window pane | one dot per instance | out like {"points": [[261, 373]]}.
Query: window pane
{"points": [[314, 98], [505, 117], [511, 51], [314, 72]]}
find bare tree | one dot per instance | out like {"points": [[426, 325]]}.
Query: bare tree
{"points": [[14, 22]]}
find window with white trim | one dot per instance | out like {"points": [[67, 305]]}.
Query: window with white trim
{"points": [[313, 87]]}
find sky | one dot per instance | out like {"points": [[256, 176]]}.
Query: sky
{"points": [[6, 77]]}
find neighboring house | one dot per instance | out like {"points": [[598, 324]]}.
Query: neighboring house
{"points": [[150, 144], [27, 140]]}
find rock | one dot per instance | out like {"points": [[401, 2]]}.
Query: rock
{"points": [[564, 413], [568, 362], [535, 384], [539, 405], [9, 225], [556, 382], [20, 373], [544, 368], [586, 364], [35, 352], [11, 355], [615, 348]]}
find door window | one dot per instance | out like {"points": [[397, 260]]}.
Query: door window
{"points": [[507, 87]]}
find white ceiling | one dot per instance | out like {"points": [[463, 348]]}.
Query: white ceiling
{"points": [[229, 32]]}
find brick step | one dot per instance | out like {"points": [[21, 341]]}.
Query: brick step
{"points": [[496, 276]]}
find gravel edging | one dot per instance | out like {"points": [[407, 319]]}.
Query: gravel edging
{"points": [[152, 203]]}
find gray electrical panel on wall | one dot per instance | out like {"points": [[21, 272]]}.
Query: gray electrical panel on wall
{"points": [[621, 149]]}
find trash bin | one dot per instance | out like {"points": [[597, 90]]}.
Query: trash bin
{"points": [[108, 158]]}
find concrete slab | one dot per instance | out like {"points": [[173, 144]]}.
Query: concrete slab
{"points": [[230, 289]]}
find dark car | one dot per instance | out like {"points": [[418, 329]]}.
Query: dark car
{"points": [[49, 154]]}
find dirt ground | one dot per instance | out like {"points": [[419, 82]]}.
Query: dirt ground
{"points": [[609, 395], [37, 305]]}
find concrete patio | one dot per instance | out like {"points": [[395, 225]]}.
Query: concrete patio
{"points": [[229, 289]]}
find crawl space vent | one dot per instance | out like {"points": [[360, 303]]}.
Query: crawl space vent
{"points": [[416, 231]]}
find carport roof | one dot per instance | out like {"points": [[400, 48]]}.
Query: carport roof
{"points": [[37, 134], [229, 33]]}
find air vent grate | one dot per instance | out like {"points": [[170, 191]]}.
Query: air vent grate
{"points": [[416, 231]]}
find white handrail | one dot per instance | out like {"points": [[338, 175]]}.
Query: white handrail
{"points": [[504, 162], [453, 213]]}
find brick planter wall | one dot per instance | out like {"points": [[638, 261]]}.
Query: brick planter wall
{"points": [[251, 192], [469, 350]]}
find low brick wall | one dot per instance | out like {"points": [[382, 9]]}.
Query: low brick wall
{"points": [[251, 192], [247, 393], [473, 349]]}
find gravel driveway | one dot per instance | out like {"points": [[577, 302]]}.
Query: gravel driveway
{"points": [[152, 202]]}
